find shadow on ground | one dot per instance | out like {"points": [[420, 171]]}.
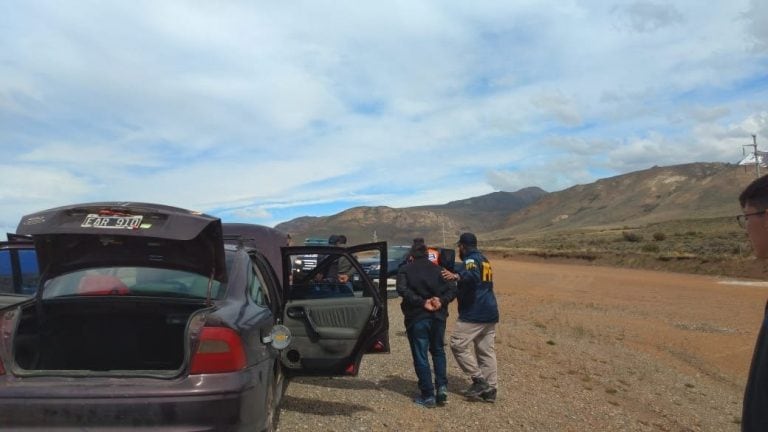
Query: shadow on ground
{"points": [[321, 407], [393, 383]]}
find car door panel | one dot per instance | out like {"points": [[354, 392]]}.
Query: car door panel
{"points": [[332, 323], [329, 318]]}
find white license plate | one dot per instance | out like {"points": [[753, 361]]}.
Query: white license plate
{"points": [[113, 222]]}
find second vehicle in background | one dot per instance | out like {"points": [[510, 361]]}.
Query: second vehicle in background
{"points": [[396, 256]]}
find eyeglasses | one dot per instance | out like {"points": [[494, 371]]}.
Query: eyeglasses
{"points": [[742, 218]]}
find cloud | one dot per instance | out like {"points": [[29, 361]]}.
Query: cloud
{"points": [[645, 16], [709, 114], [252, 213], [261, 112], [756, 17], [561, 107], [555, 175]]}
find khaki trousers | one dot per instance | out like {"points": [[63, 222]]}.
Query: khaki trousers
{"points": [[473, 347]]}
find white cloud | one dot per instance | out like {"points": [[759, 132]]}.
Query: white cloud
{"points": [[559, 106], [646, 16], [756, 16], [252, 213], [249, 108]]}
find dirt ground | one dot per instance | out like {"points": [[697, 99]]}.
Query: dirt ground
{"points": [[579, 348]]}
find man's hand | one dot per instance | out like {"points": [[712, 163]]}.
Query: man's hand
{"points": [[436, 303], [448, 276], [343, 278], [428, 305], [433, 304]]}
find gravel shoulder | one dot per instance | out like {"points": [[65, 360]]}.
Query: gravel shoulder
{"points": [[579, 348]]}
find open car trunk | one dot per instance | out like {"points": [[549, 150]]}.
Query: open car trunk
{"points": [[112, 336]]}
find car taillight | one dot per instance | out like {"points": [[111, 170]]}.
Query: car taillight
{"points": [[220, 350]]}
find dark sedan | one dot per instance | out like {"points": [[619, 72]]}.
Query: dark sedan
{"points": [[157, 318]]}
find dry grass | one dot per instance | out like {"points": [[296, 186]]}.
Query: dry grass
{"points": [[715, 246]]}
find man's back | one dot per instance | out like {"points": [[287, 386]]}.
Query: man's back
{"points": [[418, 281]]}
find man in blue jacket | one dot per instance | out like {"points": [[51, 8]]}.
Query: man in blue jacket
{"points": [[472, 341]]}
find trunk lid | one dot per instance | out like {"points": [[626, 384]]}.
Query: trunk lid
{"points": [[125, 234]]}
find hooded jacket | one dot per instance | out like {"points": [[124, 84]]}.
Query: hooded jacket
{"points": [[477, 302]]}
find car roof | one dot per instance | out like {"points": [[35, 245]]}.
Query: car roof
{"points": [[267, 241]]}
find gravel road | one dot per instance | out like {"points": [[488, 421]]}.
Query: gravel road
{"points": [[579, 348]]}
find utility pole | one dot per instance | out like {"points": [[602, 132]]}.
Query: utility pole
{"points": [[755, 153], [757, 157], [442, 220]]}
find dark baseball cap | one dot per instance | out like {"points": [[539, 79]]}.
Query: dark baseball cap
{"points": [[468, 239]]}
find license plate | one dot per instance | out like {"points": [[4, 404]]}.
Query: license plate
{"points": [[113, 222]]}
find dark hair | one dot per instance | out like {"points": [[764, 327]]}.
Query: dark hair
{"points": [[756, 194], [419, 250], [419, 240], [342, 239]]}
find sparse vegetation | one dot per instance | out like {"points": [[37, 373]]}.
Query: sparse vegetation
{"points": [[631, 236], [715, 246], [650, 248]]}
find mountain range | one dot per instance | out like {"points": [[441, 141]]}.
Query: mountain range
{"points": [[657, 194]]}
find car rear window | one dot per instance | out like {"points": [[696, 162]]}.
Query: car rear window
{"points": [[131, 281], [397, 253], [30, 274], [6, 272]]}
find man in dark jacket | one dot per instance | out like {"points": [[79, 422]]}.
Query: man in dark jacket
{"points": [[425, 307], [754, 204], [473, 337]]}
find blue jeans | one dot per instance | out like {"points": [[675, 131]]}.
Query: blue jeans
{"points": [[428, 334]]}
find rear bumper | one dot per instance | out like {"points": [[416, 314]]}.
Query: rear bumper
{"points": [[220, 402]]}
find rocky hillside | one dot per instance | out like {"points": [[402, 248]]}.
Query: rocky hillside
{"points": [[361, 224], [690, 191]]}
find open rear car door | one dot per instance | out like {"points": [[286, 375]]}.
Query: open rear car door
{"points": [[335, 311]]}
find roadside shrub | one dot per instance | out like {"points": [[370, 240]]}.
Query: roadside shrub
{"points": [[631, 237], [659, 236], [650, 247]]}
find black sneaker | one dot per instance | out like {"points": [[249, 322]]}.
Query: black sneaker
{"points": [[488, 395], [479, 385], [442, 395]]}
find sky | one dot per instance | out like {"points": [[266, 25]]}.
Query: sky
{"points": [[262, 111]]}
